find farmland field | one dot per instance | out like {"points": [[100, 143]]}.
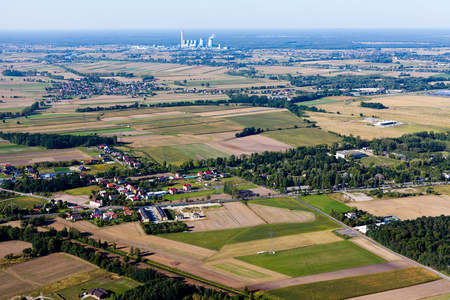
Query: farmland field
{"points": [[377, 160], [408, 207], [302, 136], [249, 144], [325, 203], [25, 201], [354, 286], [53, 155], [14, 247], [57, 267], [315, 259], [272, 121], [199, 151], [273, 215], [11, 285]]}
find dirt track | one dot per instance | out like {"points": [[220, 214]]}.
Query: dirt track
{"points": [[420, 291], [389, 266]]}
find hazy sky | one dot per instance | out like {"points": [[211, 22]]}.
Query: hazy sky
{"points": [[186, 14]]}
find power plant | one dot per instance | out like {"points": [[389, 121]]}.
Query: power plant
{"points": [[201, 43]]}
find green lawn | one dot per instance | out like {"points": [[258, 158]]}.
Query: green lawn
{"points": [[273, 120], [191, 195], [199, 151], [83, 190], [91, 151], [315, 259], [215, 240], [62, 169], [302, 136], [13, 149], [326, 203], [350, 287], [25, 201]]}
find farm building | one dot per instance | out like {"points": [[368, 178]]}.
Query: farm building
{"points": [[98, 293], [349, 153], [386, 123]]}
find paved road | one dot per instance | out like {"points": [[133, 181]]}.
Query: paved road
{"points": [[357, 233]]}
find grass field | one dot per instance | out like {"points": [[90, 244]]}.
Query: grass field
{"points": [[100, 131], [191, 195], [8, 148], [215, 240], [282, 202], [318, 101], [325, 203], [376, 160], [199, 151], [166, 153], [354, 286], [315, 259], [25, 201], [272, 121], [303, 136], [83, 190]]}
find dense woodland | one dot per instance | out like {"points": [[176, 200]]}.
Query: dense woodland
{"points": [[425, 239], [56, 141], [351, 82], [155, 285]]}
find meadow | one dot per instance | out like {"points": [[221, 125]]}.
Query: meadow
{"points": [[314, 259], [325, 203], [83, 190], [25, 202]]}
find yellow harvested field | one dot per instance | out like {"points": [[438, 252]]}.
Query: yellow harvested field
{"points": [[14, 247], [232, 215], [242, 271], [280, 243], [420, 113], [375, 249], [274, 215], [408, 207], [249, 145], [51, 268], [31, 158]]}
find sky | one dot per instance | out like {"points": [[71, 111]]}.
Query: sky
{"points": [[222, 14]]}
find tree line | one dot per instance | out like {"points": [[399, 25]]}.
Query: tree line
{"points": [[374, 105], [56, 141], [163, 228], [249, 131]]}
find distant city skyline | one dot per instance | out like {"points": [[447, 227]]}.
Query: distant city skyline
{"points": [[221, 14]]}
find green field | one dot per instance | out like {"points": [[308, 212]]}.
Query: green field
{"points": [[215, 240], [354, 286], [272, 120], [300, 137], [191, 195], [199, 151], [25, 201], [165, 153], [325, 203], [83, 190], [282, 202], [8, 149], [318, 101], [61, 169], [376, 160], [315, 259], [100, 131]]}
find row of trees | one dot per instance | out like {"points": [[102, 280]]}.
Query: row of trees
{"points": [[249, 131], [162, 228], [374, 105], [24, 112], [56, 141]]}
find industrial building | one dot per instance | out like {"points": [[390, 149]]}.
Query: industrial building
{"points": [[349, 153], [201, 43]]}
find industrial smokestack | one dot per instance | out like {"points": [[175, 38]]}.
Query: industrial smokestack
{"points": [[182, 38]]}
